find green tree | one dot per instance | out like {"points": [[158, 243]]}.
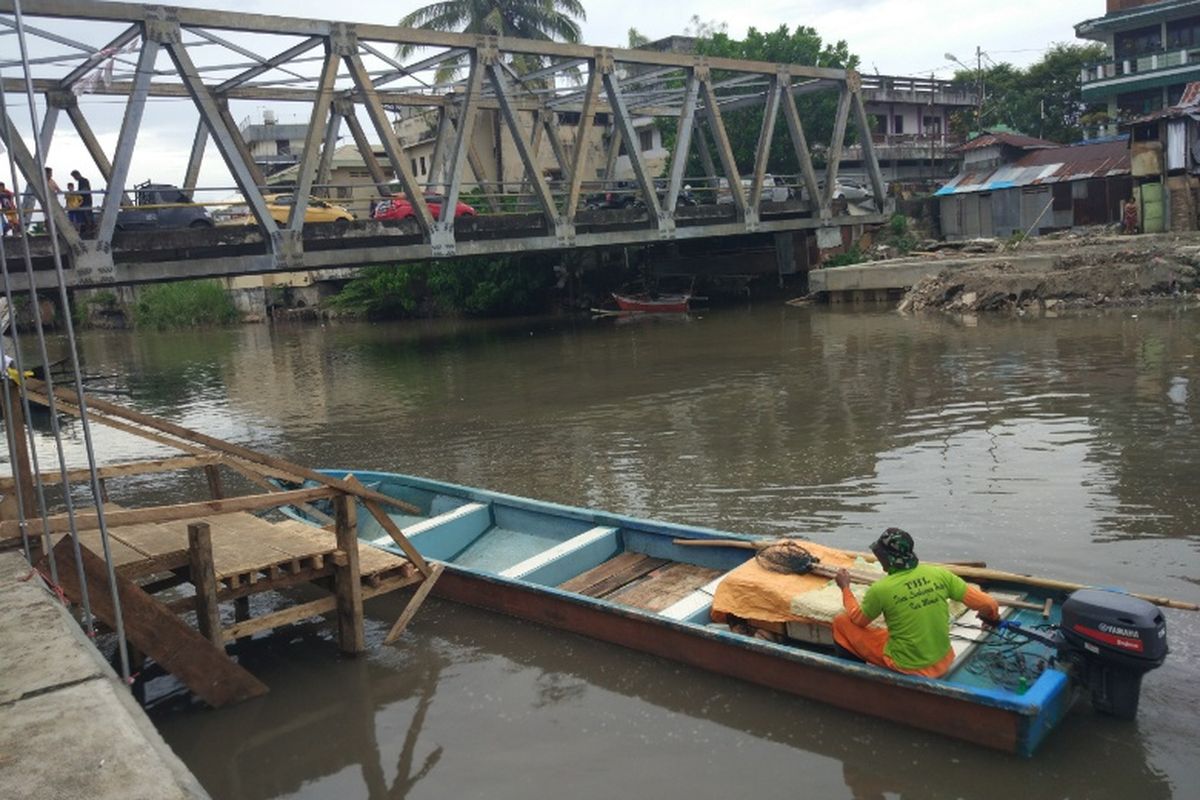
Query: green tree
{"points": [[804, 46], [548, 20], [1044, 99]]}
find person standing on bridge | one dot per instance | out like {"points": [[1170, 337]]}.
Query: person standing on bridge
{"points": [[10, 221], [913, 598], [84, 187]]}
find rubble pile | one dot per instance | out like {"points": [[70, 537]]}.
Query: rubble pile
{"points": [[1116, 274]]}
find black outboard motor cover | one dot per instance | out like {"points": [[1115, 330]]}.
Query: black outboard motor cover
{"points": [[1113, 639]]}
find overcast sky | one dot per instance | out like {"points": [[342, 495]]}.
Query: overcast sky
{"points": [[898, 37]]}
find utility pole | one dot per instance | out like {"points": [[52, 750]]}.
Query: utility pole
{"points": [[979, 88]]}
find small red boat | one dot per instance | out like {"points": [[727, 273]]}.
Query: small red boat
{"points": [[653, 303]]}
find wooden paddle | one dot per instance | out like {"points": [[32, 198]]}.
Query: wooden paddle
{"points": [[972, 570], [765, 543], [984, 574]]}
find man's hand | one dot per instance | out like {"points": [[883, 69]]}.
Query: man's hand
{"points": [[990, 620], [842, 579]]}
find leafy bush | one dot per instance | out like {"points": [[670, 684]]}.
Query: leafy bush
{"points": [[183, 304], [901, 237], [474, 286], [851, 256]]}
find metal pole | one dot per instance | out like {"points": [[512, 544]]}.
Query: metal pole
{"points": [[119, 621]]}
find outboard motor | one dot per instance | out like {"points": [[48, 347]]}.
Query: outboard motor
{"points": [[1113, 640]]}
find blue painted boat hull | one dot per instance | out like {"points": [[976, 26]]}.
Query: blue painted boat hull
{"points": [[510, 554]]}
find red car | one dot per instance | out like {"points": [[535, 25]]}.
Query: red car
{"points": [[398, 207]]}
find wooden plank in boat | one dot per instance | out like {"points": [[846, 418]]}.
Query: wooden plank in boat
{"points": [[612, 574], [664, 587]]}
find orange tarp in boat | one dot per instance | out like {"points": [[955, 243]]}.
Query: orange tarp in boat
{"points": [[755, 593]]}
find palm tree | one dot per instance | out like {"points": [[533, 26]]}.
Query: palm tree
{"points": [[548, 20]]}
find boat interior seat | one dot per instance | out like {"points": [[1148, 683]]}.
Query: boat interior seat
{"points": [[455, 529], [696, 607], [569, 558]]}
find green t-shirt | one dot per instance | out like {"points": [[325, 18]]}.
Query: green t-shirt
{"points": [[914, 603]]}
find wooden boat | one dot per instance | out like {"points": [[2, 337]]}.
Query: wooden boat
{"points": [[653, 303], [627, 581]]}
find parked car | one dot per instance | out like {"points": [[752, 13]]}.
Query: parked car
{"points": [[398, 207], [851, 190], [161, 205], [318, 210], [846, 189], [279, 206], [774, 190], [626, 194]]}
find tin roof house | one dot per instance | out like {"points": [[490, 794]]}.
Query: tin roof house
{"points": [[1164, 149], [1015, 184]]}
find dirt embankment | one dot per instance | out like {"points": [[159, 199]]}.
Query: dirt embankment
{"points": [[1082, 272]]}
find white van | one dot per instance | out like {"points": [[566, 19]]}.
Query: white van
{"points": [[774, 190]]}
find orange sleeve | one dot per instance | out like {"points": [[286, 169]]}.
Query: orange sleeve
{"points": [[850, 603], [981, 601]]}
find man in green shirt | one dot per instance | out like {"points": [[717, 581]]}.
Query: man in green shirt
{"points": [[914, 600]]}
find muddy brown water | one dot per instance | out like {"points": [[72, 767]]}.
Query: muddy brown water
{"points": [[1066, 446]]}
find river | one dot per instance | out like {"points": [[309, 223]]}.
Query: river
{"points": [[1066, 446]]}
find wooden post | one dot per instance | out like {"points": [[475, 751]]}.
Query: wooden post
{"points": [[200, 558], [154, 630], [215, 487], [346, 583], [23, 470]]}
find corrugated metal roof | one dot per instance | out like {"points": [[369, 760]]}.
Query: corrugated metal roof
{"points": [[1018, 140], [1052, 165], [1188, 106]]}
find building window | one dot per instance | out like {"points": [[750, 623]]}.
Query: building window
{"points": [[1183, 33], [646, 140], [933, 125], [423, 169], [897, 124], [283, 147], [343, 192], [414, 166], [1135, 104], [879, 123], [1131, 44]]}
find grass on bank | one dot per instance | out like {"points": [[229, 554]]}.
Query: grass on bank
{"points": [[183, 304]]}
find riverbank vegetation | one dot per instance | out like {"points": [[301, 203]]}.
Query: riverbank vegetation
{"points": [[474, 287], [183, 304]]}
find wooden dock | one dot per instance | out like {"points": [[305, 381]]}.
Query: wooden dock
{"points": [[188, 558]]}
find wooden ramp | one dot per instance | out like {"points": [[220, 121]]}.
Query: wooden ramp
{"points": [[217, 547]]}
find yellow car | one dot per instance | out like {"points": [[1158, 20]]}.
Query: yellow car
{"points": [[280, 207]]}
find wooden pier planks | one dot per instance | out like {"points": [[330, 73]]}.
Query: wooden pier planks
{"points": [[158, 633]]}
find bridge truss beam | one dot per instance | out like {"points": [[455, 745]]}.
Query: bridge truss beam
{"points": [[340, 70]]}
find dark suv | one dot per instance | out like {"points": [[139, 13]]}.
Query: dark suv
{"points": [[161, 205]]}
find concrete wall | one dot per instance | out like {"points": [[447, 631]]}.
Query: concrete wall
{"points": [[69, 728]]}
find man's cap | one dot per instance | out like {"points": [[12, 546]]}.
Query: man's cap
{"points": [[896, 547]]}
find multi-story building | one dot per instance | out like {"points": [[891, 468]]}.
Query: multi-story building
{"points": [[911, 127], [1153, 53], [273, 146]]}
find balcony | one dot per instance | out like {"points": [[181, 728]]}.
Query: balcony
{"points": [[1139, 72], [907, 147], [922, 91]]}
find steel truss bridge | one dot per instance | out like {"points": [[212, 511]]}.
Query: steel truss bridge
{"points": [[349, 76]]}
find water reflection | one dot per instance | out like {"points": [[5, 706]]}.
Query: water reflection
{"points": [[1064, 446]]}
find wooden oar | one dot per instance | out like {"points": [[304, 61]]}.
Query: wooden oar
{"points": [[983, 574], [765, 543], [965, 570]]}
